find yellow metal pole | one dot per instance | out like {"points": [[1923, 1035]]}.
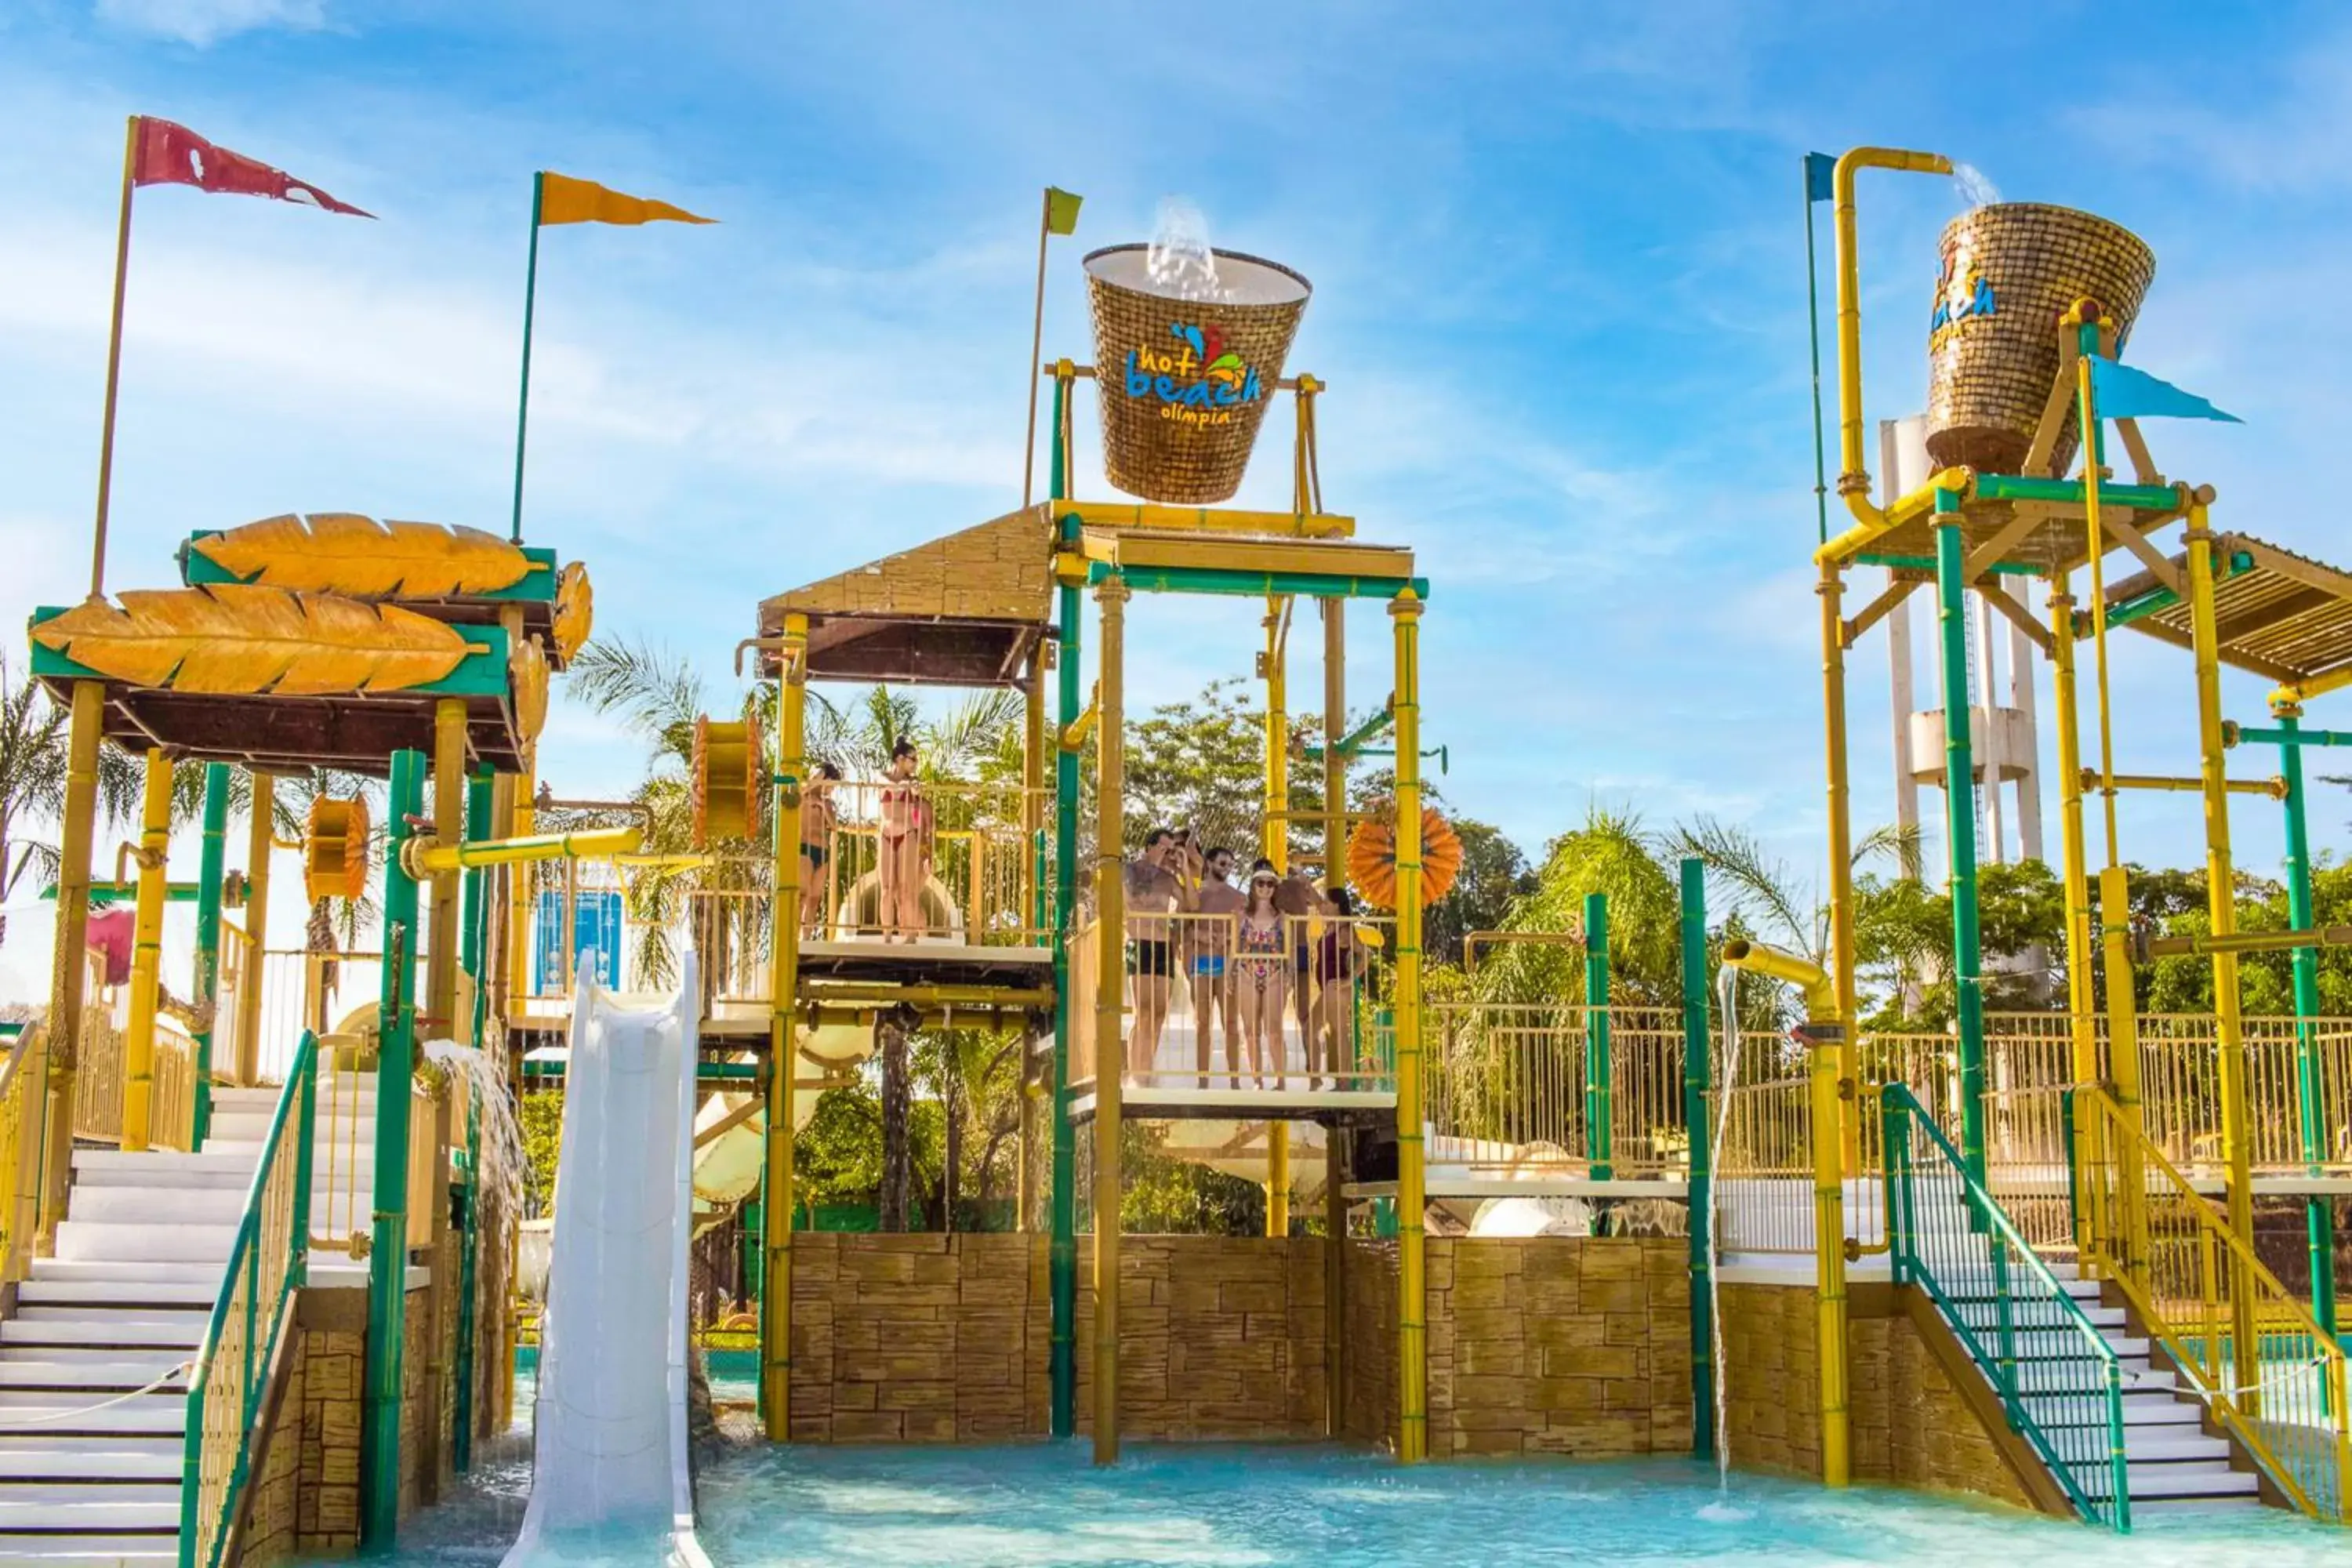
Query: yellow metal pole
{"points": [[1335, 1165], [67, 969], [520, 915], [261, 837], [1111, 1045], [1841, 834], [1854, 480], [777, 1205], [2221, 908], [2081, 1004], [1412, 1350], [1274, 845], [147, 955], [448, 828]]}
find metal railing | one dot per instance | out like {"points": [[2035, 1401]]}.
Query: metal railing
{"points": [[343, 1180], [2247, 1346], [231, 1368], [97, 1076], [1509, 1087], [428, 1163], [2060, 1382], [1306, 1009]]}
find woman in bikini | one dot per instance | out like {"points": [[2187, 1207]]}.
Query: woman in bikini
{"points": [[816, 844], [905, 860], [1261, 966], [1337, 964]]}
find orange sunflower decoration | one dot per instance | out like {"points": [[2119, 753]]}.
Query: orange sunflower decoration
{"points": [[1371, 858]]}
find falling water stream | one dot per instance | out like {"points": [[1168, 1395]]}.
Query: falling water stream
{"points": [[1179, 259], [1975, 189], [1728, 1004], [500, 1157]]}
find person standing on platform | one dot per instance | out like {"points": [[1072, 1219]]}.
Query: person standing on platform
{"points": [[906, 848], [817, 820], [1153, 891], [1214, 904], [1300, 901]]}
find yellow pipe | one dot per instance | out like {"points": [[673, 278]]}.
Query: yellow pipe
{"points": [[1412, 1316], [1111, 1045], [449, 826], [146, 955], [1824, 1035], [429, 858], [783, 970], [1841, 845], [2297, 692], [1079, 732], [2081, 1002], [2222, 906], [1274, 845], [68, 970], [2274, 788], [261, 838], [1854, 479], [521, 982], [2249, 941]]}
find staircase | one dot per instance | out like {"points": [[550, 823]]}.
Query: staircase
{"points": [[139, 1267], [2071, 1379]]}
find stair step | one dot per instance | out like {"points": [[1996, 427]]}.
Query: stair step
{"points": [[161, 1205], [92, 1510], [70, 1297], [172, 1331], [128, 1271], [110, 1168], [106, 1242], [44, 1414], [111, 1550], [2210, 1479], [68, 1460], [97, 1373]]}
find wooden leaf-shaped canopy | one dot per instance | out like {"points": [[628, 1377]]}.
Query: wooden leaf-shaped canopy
{"points": [[236, 641], [527, 669], [1371, 859], [575, 611], [339, 552]]}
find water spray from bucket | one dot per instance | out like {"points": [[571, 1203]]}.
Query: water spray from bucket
{"points": [[1179, 261], [500, 1156], [1975, 189], [1728, 1005]]}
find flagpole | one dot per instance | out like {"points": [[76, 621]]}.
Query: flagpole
{"points": [[1036, 345], [522, 402], [113, 363]]}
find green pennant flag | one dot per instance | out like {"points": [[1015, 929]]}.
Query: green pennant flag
{"points": [[1061, 211]]}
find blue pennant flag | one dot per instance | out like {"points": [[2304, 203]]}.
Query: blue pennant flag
{"points": [[2119, 392], [1820, 181]]}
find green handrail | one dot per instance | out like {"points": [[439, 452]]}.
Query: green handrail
{"points": [[1969, 1257], [232, 1362]]}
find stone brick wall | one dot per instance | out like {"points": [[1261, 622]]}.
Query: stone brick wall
{"points": [[1370, 1405], [1907, 1422]]}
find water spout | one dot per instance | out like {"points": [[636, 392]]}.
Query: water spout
{"points": [[1728, 1005]]}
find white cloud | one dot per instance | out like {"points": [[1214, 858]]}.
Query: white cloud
{"points": [[207, 21]]}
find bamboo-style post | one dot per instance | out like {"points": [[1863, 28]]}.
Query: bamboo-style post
{"points": [[1110, 1050], [777, 1202], [260, 840], [68, 973], [147, 955], [1412, 1352], [205, 993]]}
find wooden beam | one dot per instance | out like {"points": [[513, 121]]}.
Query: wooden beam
{"points": [[2117, 526], [2053, 410], [1870, 615], [2020, 618], [2135, 445]]}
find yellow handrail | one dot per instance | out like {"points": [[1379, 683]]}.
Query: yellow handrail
{"points": [[2271, 1375]]}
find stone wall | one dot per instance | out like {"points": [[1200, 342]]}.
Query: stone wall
{"points": [[1371, 1402], [1907, 1421]]}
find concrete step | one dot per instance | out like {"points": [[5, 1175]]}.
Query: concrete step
{"points": [[2172, 1445], [175, 1331], [110, 1168], [75, 1299], [70, 1459], [45, 1415], [95, 1241], [153, 1550], [152, 1273], [98, 1375], [156, 1205], [2210, 1479], [103, 1509]]}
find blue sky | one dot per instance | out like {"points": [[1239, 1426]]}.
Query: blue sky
{"points": [[1560, 271]]}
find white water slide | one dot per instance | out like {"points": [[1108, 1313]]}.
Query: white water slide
{"points": [[610, 1475]]}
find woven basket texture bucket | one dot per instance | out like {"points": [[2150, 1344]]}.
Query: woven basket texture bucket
{"points": [[2009, 272], [1184, 382]]}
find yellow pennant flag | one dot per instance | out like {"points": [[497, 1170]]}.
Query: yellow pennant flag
{"points": [[1061, 211], [562, 199]]}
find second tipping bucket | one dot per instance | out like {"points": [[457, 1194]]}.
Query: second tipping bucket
{"points": [[1185, 380], [2009, 272]]}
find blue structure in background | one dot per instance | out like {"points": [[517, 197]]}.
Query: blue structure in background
{"points": [[595, 928]]}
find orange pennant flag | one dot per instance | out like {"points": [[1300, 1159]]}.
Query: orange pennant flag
{"points": [[562, 199]]}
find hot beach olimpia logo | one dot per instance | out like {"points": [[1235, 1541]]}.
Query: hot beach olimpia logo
{"points": [[1963, 293], [1195, 378]]}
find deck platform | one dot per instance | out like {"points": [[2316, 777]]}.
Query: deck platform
{"points": [[1193, 1102]]}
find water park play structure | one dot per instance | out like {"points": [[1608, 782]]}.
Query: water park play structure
{"points": [[257, 1284]]}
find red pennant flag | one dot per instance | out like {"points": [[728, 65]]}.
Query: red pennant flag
{"points": [[170, 155]]}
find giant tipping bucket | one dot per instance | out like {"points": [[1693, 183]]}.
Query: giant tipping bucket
{"points": [[2009, 272], [1185, 369]]}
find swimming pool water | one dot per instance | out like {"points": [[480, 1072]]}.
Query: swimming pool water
{"points": [[1042, 1506]]}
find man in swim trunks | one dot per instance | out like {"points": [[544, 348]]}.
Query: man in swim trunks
{"points": [[1214, 904], [817, 819], [1300, 900], [1153, 894]]}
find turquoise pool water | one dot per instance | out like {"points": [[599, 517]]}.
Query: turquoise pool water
{"points": [[1310, 1507]]}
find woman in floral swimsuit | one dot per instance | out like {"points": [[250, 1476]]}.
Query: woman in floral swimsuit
{"points": [[1261, 974]]}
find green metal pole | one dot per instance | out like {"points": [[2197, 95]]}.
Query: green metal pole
{"points": [[1695, 1068], [1598, 1099], [1961, 825], [205, 991], [2318, 1215], [1062, 1254], [388, 1257], [522, 399], [476, 920]]}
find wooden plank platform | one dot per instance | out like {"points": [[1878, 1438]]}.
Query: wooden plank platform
{"points": [[1440, 1184], [1190, 1102], [926, 963], [2279, 615]]}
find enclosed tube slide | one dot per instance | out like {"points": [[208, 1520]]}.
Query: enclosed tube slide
{"points": [[609, 1472]]}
